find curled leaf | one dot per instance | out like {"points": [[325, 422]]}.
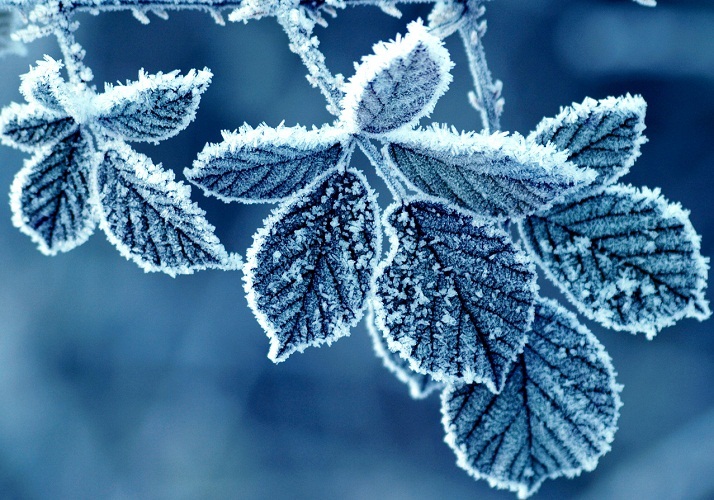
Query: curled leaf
{"points": [[398, 84], [626, 258], [265, 164], [309, 271], [454, 297], [556, 415], [44, 85]]}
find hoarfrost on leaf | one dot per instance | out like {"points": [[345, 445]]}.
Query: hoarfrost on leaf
{"points": [[266, 164], [309, 270], [625, 257], [44, 85], [493, 175], [153, 108], [398, 84], [604, 135], [150, 218], [556, 415], [50, 197], [420, 384], [30, 126], [454, 296]]}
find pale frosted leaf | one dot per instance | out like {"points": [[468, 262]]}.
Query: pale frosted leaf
{"points": [[556, 415], [310, 267], [493, 175], [153, 108], [44, 85], [454, 297], [398, 84], [603, 135], [151, 219], [29, 126], [265, 164], [420, 385], [626, 258], [50, 195]]}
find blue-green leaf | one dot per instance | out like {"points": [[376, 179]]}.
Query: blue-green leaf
{"points": [[265, 164], [455, 296], [50, 197], [30, 126], [626, 258], [556, 415], [150, 218], [310, 268]]}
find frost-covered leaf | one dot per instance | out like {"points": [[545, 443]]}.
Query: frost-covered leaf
{"points": [[265, 164], [454, 297], [310, 268], [29, 126], [604, 135], [50, 195], [153, 108], [420, 384], [150, 218], [44, 85], [626, 258], [493, 175], [556, 415], [398, 84]]}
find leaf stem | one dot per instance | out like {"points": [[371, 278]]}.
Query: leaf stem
{"points": [[383, 168], [487, 97]]}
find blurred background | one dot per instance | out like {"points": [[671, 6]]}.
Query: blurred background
{"points": [[120, 384]]}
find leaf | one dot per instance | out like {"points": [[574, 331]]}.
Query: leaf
{"points": [[29, 126], [310, 268], [493, 175], [556, 415], [604, 135], [398, 84], [420, 385], [454, 296], [626, 258], [265, 164], [50, 195], [153, 108], [151, 219], [44, 85]]}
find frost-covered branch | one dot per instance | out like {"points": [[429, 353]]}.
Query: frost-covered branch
{"points": [[487, 97]]}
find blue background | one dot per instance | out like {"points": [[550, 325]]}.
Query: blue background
{"points": [[120, 384]]}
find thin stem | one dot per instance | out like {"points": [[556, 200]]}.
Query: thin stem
{"points": [[72, 52], [383, 168], [487, 98]]}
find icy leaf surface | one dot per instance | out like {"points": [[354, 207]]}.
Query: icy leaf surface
{"points": [[153, 108], [310, 268], [50, 195], [420, 384], [604, 135], [150, 218], [44, 85], [398, 84], [626, 258], [493, 175], [454, 296], [29, 126], [555, 417], [265, 164]]}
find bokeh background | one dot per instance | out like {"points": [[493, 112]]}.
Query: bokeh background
{"points": [[120, 384]]}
